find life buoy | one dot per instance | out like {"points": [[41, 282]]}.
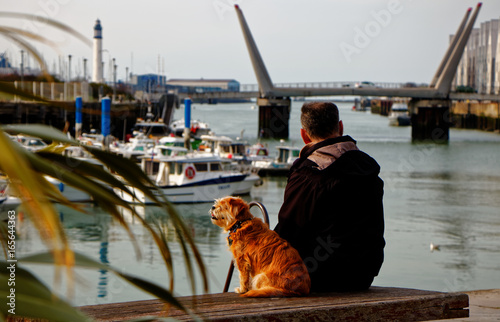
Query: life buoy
{"points": [[190, 172]]}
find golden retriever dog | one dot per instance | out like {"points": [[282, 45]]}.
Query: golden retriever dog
{"points": [[269, 266]]}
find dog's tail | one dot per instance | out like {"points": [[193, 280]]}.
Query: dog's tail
{"points": [[271, 292]]}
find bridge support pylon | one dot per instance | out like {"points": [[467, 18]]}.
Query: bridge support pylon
{"points": [[430, 120], [274, 116]]}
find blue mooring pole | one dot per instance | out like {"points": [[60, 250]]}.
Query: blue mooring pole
{"points": [[105, 119], [78, 117], [187, 122]]}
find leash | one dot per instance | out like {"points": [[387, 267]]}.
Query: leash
{"points": [[231, 266]]}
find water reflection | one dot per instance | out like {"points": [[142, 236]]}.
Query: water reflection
{"points": [[447, 207]]}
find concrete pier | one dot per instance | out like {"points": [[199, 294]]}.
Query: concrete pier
{"points": [[430, 120], [274, 117]]}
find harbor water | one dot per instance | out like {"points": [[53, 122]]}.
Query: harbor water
{"points": [[444, 195]]}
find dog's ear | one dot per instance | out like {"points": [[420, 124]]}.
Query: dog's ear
{"points": [[240, 208]]}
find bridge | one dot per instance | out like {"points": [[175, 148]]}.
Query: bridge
{"points": [[429, 106]]}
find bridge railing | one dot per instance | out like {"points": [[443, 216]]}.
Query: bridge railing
{"points": [[255, 87]]}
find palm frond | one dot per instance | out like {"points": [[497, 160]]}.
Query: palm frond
{"points": [[97, 182], [48, 21]]}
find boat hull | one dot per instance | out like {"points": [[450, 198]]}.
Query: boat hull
{"points": [[204, 191], [246, 185]]}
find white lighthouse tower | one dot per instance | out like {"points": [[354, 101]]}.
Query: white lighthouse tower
{"points": [[97, 76]]}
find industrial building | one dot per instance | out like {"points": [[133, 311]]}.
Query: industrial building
{"points": [[479, 70], [203, 85]]}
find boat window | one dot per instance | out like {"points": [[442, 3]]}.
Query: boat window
{"points": [[178, 168], [152, 167], [225, 148], [262, 152], [165, 152], [171, 168], [215, 167], [239, 149], [139, 148], [283, 155], [296, 153], [201, 166]]}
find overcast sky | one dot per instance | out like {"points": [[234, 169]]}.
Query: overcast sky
{"points": [[319, 40]]}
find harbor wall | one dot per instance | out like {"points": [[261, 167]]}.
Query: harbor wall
{"points": [[476, 115], [123, 116]]}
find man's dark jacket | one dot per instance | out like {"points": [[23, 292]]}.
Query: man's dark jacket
{"points": [[333, 214]]}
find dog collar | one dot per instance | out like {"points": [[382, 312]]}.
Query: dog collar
{"points": [[234, 228]]}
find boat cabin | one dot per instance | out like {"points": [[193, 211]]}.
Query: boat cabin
{"points": [[151, 129], [258, 150], [180, 169], [287, 154]]}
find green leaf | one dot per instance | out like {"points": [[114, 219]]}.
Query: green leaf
{"points": [[50, 22], [87, 262], [41, 131], [33, 299], [83, 167], [127, 169]]}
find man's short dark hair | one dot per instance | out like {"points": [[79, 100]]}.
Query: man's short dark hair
{"points": [[320, 119]]}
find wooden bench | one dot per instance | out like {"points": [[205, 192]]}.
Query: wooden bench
{"points": [[376, 304]]}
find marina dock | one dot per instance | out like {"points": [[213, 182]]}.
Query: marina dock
{"points": [[375, 304]]}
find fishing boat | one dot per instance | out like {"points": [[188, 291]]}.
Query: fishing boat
{"points": [[234, 157], [186, 177], [399, 115], [279, 166]]}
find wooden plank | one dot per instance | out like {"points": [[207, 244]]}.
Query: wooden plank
{"points": [[376, 304]]}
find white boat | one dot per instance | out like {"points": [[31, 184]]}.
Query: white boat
{"points": [[172, 141], [234, 156], [197, 128], [69, 192], [184, 177], [245, 187], [150, 129], [7, 201], [277, 166], [91, 138], [258, 152], [399, 115], [224, 146], [30, 143], [135, 148]]}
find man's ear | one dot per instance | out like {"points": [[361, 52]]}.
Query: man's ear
{"points": [[341, 128], [305, 136]]}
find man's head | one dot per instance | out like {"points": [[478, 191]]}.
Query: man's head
{"points": [[320, 121]]}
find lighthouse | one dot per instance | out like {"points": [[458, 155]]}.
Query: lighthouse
{"points": [[97, 76]]}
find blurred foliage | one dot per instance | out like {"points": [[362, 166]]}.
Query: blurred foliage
{"points": [[27, 174]]}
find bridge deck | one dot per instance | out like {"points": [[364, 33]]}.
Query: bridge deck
{"points": [[376, 304]]}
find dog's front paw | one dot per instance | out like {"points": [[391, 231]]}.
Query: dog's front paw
{"points": [[240, 290]]}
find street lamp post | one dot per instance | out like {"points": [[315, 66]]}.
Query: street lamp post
{"points": [[85, 69], [22, 67], [69, 68], [114, 79]]}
